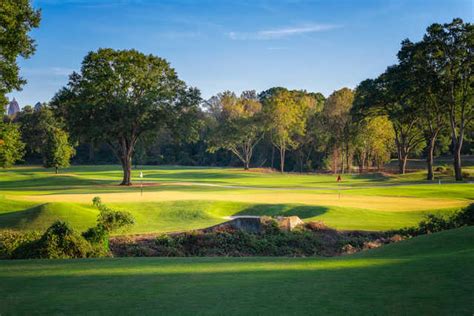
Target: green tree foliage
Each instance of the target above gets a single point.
(57, 151)
(238, 124)
(426, 94)
(391, 95)
(374, 142)
(314, 138)
(122, 94)
(449, 53)
(337, 121)
(17, 18)
(11, 146)
(35, 127)
(285, 115)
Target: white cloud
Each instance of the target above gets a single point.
(282, 32)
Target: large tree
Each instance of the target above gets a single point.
(239, 126)
(57, 150)
(373, 142)
(450, 54)
(427, 95)
(285, 115)
(122, 94)
(390, 95)
(11, 146)
(310, 142)
(17, 18)
(35, 127)
(337, 120)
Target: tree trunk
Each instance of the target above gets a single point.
(429, 159)
(402, 163)
(127, 169)
(342, 161)
(91, 152)
(402, 156)
(273, 155)
(57, 170)
(362, 162)
(246, 165)
(282, 159)
(402, 159)
(457, 162)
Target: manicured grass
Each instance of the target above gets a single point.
(155, 217)
(182, 198)
(427, 275)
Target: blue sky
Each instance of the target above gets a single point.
(319, 46)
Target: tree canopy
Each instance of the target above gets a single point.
(11, 146)
(122, 94)
(17, 19)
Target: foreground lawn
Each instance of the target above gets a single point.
(183, 198)
(428, 275)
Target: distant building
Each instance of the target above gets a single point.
(13, 108)
(38, 106)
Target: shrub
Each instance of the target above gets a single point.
(58, 242)
(110, 220)
(11, 240)
(99, 240)
(436, 223)
(465, 217)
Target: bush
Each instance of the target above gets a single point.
(11, 240)
(61, 241)
(110, 220)
(58, 242)
(465, 217)
(236, 243)
(436, 223)
(99, 240)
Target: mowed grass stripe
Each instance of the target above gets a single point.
(343, 199)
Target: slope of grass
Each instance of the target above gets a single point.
(157, 217)
(428, 275)
(41, 216)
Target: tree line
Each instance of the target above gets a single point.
(130, 107)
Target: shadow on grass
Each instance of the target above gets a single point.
(244, 286)
(20, 219)
(54, 181)
(302, 211)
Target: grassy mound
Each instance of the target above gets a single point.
(40, 217)
(170, 216)
(431, 275)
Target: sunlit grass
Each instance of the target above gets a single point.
(183, 198)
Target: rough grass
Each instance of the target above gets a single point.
(427, 275)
